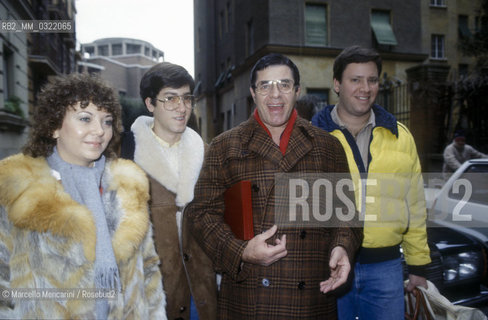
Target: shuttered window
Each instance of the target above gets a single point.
(316, 25)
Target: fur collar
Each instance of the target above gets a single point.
(36, 201)
(152, 158)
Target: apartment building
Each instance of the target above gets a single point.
(120, 61)
(28, 60)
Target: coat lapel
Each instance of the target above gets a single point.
(259, 142)
(151, 157)
(262, 144)
(298, 147)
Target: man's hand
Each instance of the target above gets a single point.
(339, 270)
(259, 252)
(414, 281)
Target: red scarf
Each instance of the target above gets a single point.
(285, 136)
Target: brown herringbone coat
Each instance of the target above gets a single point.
(289, 288)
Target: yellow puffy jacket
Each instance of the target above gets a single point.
(394, 202)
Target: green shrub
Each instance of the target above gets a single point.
(12, 105)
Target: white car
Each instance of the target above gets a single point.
(462, 202)
(458, 233)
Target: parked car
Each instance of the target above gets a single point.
(458, 233)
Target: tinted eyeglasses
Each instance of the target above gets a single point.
(284, 86)
(170, 103)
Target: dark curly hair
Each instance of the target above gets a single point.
(63, 93)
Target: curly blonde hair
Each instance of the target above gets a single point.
(63, 93)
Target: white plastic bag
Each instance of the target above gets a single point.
(439, 307)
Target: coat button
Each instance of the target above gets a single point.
(182, 309)
(265, 282)
(186, 257)
(255, 188)
(303, 234)
(301, 285)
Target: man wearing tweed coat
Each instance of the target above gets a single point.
(280, 273)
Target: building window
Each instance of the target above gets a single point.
(463, 70)
(321, 94)
(147, 51)
(229, 16)
(382, 29)
(226, 24)
(103, 50)
(199, 37)
(315, 25)
(90, 50)
(197, 90)
(249, 106)
(249, 38)
(437, 50)
(116, 49)
(8, 73)
(437, 3)
(221, 24)
(463, 28)
(133, 48)
(229, 119)
(222, 121)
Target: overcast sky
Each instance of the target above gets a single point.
(166, 24)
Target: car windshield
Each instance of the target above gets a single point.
(477, 175)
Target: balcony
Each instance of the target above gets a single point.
(11, 122)
(49, 54)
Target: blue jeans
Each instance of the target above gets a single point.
(376, 293)
(193, 310)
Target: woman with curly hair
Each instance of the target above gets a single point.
(75, 235)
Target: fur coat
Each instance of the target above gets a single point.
(47, 241)
(185, 267)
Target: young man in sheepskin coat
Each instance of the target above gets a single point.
(172, 155)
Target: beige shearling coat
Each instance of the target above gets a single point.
(185, 267)
(47, 241)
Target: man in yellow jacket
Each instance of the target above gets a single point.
(391, 199)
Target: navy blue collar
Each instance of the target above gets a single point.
(383, 119)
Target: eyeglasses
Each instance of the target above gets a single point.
(264, 87)
(171, 103)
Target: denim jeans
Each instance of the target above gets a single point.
(193, 310)
(376, 293)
